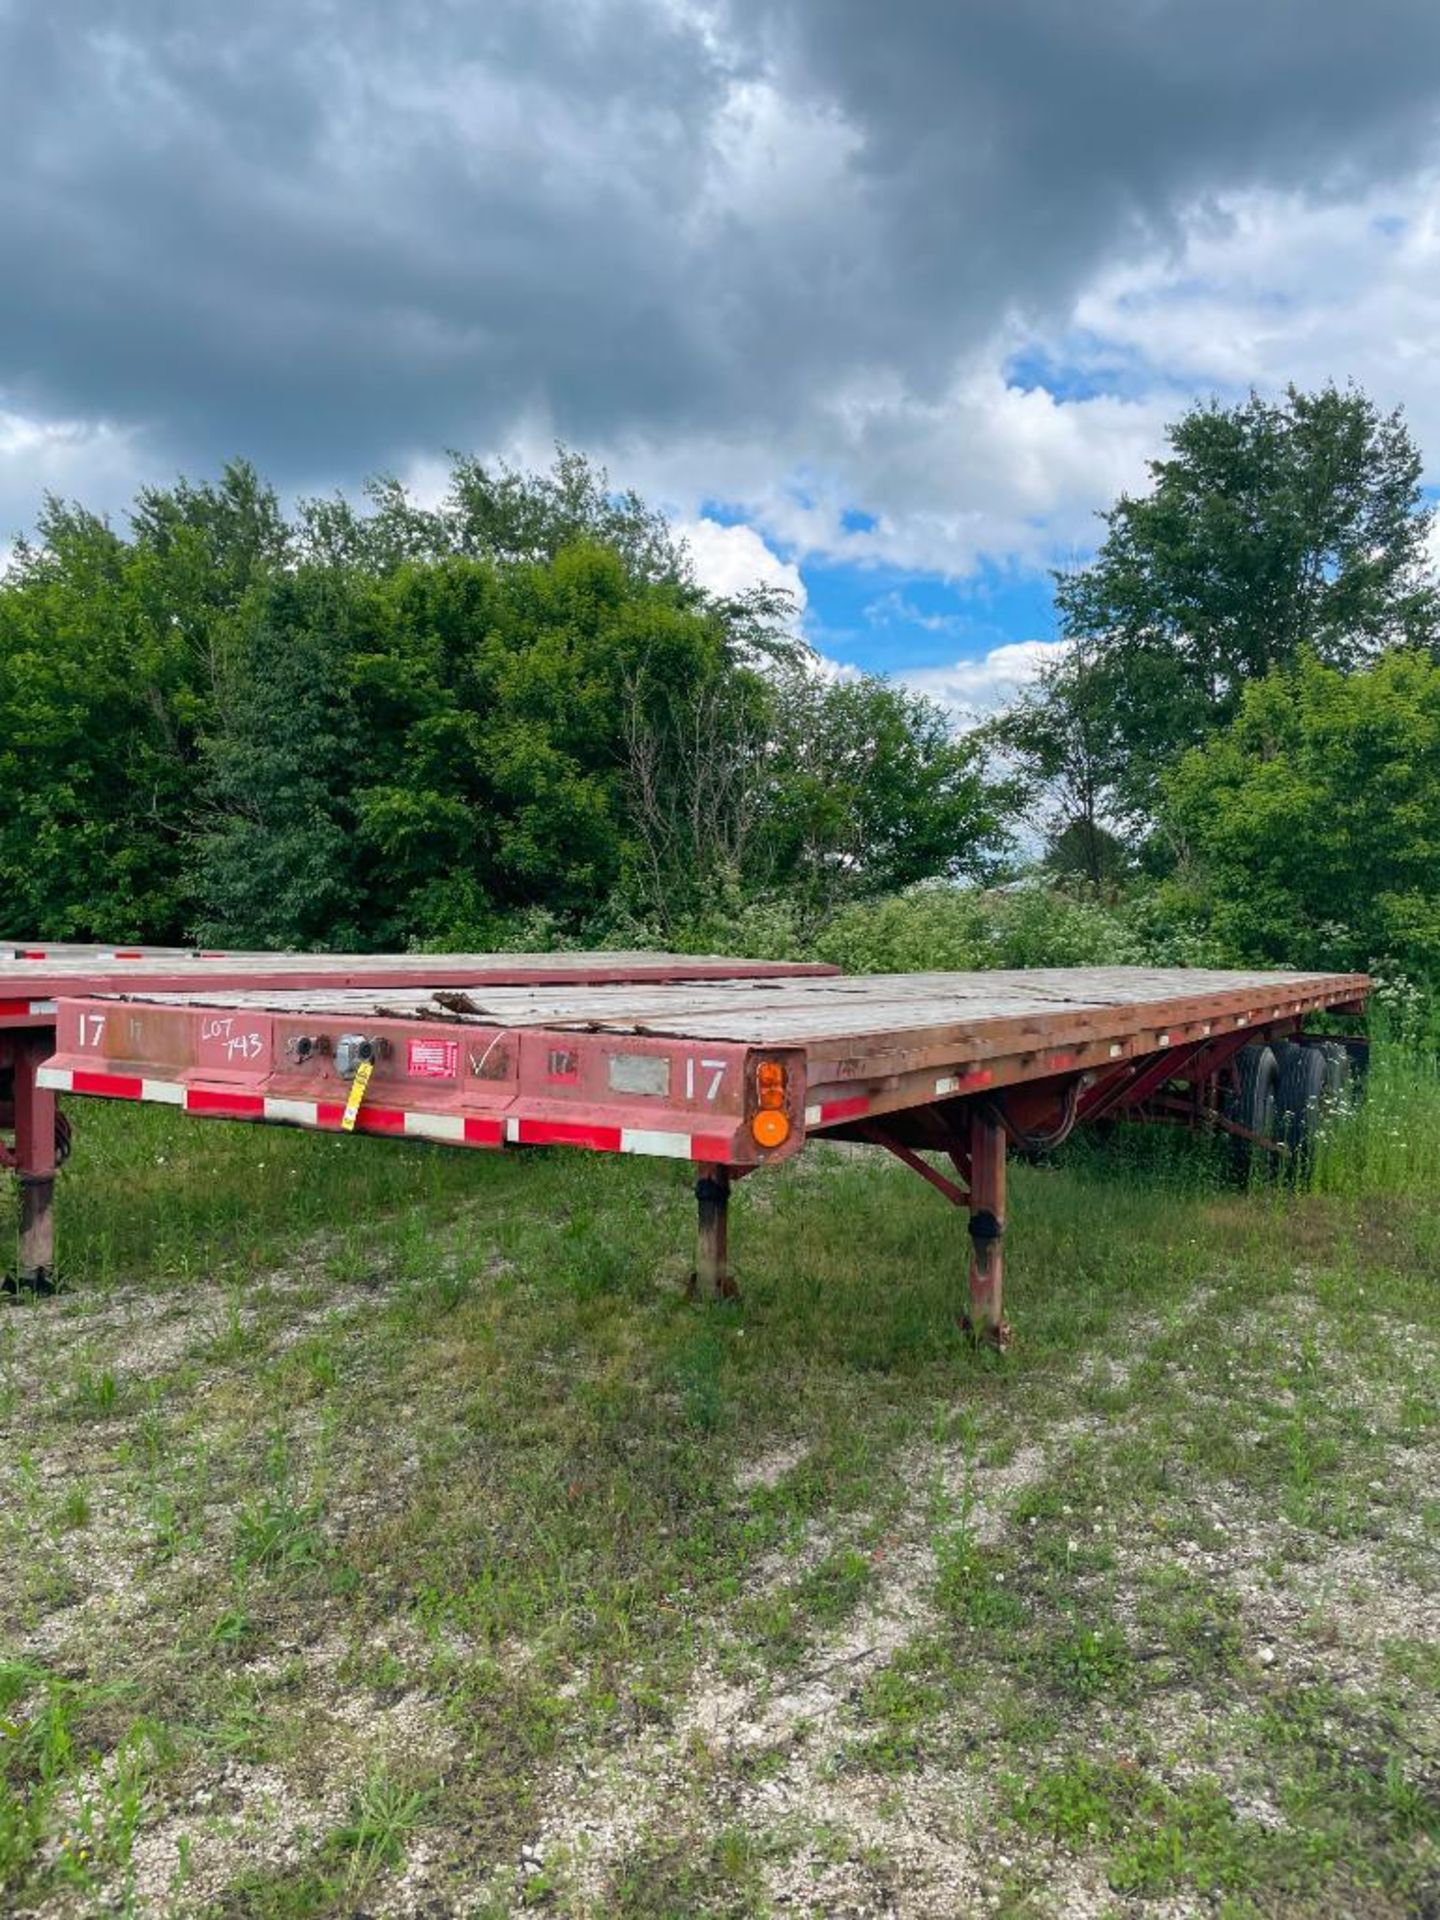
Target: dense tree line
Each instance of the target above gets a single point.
(515, 717)
(378, 726)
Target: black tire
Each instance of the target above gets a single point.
(1253, 1104)
(1300, 1100)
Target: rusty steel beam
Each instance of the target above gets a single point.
(875, 1135)
(987, 1227)
(1151, 1075)
(1134, 1083)
(34, 1160)
(712, 1278)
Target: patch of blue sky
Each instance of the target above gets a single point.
(856, 520)
(1094, 370)
(724, 514)
(1085, 366)
(886, 620)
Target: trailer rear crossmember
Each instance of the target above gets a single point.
(733, 1074)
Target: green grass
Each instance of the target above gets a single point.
(1389, 1140)
(375, 1512)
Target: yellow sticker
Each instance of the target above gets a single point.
(357, 1094)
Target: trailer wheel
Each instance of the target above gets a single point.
(1301, 1098)
(1253, 1104)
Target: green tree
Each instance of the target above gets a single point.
(1310, 825)
(195, 553)
(420, 755)
(1060, 735)
(98, 706)
(114, 657)
(276, 859)
(873, 789)
(1270, 528)
(497, 513)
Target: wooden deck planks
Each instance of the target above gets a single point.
(879, 1009)
(45, 972)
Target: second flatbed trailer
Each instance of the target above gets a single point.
(737, 1074)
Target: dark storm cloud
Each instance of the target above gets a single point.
(343, 228)
(326, 233)
(1009, 144)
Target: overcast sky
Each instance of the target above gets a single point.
(881, 300)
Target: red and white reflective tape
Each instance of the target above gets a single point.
(829, 1112)
(452, 1129)
(27, 1009)
(658, 1142)
(112, 1086)
(964, 1082)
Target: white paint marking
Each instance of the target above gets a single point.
(436, 1126)
(668, 1146)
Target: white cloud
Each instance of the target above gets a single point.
(837, 672)
(729, 560)
(1259, 289)
(1266, 288)
(89, 460)
(983, 471)
(973, 689)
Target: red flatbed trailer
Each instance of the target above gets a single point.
(731, 1074)
(34, 975)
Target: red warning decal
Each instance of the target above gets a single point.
(433, 1059)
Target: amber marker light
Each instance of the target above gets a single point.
(770, 1080)
(770, 1126)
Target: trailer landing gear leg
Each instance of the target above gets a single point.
(712, 1278)
(986, 1320)
(35, 1170)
